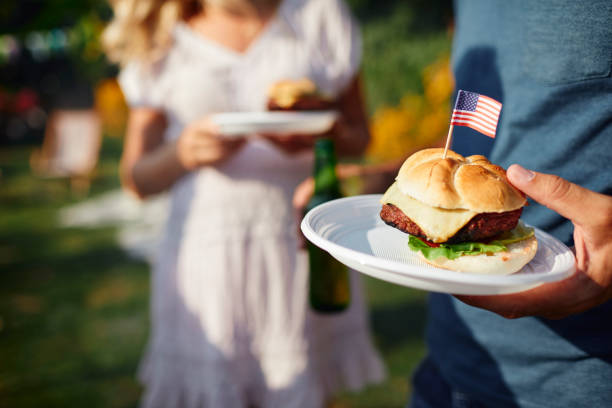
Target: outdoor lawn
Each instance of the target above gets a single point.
(74, 305)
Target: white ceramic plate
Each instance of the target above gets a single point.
(351, 230)
(237, 124)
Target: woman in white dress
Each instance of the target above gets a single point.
(231, 325)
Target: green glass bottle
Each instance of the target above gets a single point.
(329, 286)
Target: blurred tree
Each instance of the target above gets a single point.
(51, 49)
(19, 17)
(407, 75)
(418, 121)
(400, 38)
(427, 16)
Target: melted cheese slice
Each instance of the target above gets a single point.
(438, 224)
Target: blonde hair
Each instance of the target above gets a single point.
(142, 29)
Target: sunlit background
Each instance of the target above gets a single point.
(73, 249)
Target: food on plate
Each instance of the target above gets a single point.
(299, 94)
(461, 213)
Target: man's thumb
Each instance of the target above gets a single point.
(554, 192)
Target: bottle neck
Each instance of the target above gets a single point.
(326, 180)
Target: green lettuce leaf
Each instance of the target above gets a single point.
(453, 251)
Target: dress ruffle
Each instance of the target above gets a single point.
(175, 381)
(346, 363)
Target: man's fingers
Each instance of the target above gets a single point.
(554, 300)
(556, 193)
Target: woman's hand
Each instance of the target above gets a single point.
(591, 285)
(201, 145)
(150, 165)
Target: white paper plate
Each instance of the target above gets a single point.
(234, 124)
(351, 230)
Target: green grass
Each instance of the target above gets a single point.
(74, 307)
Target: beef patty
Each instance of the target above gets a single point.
(305, 103)
(481, 227)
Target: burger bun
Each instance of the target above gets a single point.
(458, 183)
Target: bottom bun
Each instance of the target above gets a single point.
(512, 260)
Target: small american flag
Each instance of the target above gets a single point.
(476, 111)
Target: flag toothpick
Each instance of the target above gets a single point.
(476, 111)
(449, 137)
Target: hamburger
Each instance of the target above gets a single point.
(296, 95)
(461, 213)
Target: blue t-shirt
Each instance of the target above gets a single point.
(549, 63)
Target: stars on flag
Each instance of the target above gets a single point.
(476, 111)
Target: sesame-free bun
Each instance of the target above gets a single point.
(292, 88)
(296, 94)
(512, 260)
(456, 182)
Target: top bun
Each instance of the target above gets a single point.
(456, 182)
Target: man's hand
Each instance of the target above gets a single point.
(591, 285)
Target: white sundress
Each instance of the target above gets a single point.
(231, 325)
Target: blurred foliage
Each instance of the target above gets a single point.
(83, 18)
(400, 37)
(53, 48)
(419, 120)
(406, 73)
(111, 106)
(19, 17)
(87, 53)
(420, 16)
